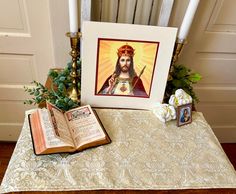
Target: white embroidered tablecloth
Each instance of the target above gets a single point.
(144, 154)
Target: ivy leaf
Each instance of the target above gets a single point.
(182, 73)
(36, 93)
(69, 65)
(177, 83)
(62, 78)
(79, 85)
(66, 99)
(71, 103)
(195, 77)
(38, 99)
(61, 87)
(52, 73)
(67, 71)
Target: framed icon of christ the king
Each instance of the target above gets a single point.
(125, 70)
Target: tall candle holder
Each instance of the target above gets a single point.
(74, 42)
(177, 50)
(176, 53)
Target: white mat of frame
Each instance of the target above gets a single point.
(144, 154)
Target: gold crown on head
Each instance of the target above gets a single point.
(125, 50)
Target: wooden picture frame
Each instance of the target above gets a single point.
(184, 114)
(104, 44)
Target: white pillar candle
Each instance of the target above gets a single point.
(188, 18)
(73, 15)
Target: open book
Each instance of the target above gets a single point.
(77, 129)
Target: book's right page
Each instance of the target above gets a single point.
(86, 129)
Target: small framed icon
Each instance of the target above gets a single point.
(184, 114)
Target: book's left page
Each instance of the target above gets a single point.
(59, 123)
(44, 136)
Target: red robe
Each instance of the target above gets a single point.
(138, 89)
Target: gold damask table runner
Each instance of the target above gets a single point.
(144, 154)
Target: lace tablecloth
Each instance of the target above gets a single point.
(144, 154)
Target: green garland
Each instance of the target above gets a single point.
(57, 94)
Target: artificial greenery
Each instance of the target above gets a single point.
(58, 93)
(182, 77)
